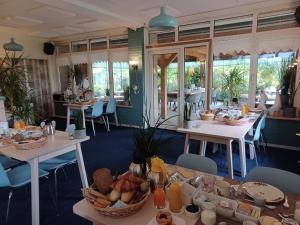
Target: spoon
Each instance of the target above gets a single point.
(286, 203)
(267, 206)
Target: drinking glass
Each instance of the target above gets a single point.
(159, 197)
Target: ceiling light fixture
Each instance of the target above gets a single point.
(162, 22)
(13, 46)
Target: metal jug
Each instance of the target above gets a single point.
(48, 127)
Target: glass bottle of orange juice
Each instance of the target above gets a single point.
(159, 197)
(175, 197)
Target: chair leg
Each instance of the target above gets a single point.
(8, 206)
(252, 150)
(93, 127)
(108, 129)
(255, 154)
(55, 190)
(116, 119)
(104, 120)
(51, 193)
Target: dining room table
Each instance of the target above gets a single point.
(77, 106)
(216, 131)
(85, 210)
(57, 144)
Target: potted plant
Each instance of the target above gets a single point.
(285, 78)
(80, 131)
(147, 141)
(15, 87)
(187, 115)
(233, 83)
(290, 90)
(126, 90)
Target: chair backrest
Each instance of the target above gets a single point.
(259, 127)
(194, 98)
(111, 106)
(263, 123)
(284, 180)
(197, 162)
(97, 109)
(4, 181)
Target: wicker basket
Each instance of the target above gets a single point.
(208, 117)
(32, 145)
(118, 212)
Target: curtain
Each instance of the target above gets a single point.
(39, 82)
(231, 47)
(99, 56)
(119, 55)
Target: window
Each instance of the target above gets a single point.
(234, 25)
(118, 43)
(79, 46)
(100, 78)
(63, 48)
(193, 31)
(268, 73)
(120, 78)
(156, 37)
(277, 20)
(230, 79)
(98, 44)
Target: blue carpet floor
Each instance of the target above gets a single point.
(114, 150)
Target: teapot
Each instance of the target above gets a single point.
(48, 127)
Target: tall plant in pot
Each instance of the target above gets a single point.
(187, 115)
(146, 141)
(80, 131)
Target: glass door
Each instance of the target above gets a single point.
(195, 78)
(165, 78)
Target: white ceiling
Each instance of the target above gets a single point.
(53, 18)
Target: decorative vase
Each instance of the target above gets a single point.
(188, 124)
(285, 100)
(137, 169)
(79, 134)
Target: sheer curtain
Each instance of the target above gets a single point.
(39, 82)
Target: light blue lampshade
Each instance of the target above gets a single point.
(162, 22)
(13, 46)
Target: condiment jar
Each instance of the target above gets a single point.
(175, 197)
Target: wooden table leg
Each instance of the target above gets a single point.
(187, 144)
(202, 148)
(68, 117)
(83, 117)
(35, 201)
(81, 166)
(229, 159)
(242, 151)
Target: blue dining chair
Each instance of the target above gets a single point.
(16, 178)
(197, 162)
(284, 180)
(253, 140)
(97, 112)
(8, 162)
(111, 108)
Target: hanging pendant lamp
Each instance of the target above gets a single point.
(162, 22)
(13, 46)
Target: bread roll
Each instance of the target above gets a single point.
(102, 180)
(114, 195)
(127, 196)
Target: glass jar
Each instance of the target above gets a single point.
(208, 217)
(159, 197)
(175, 197)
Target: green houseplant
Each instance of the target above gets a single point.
(147, 140)
(80, 131)
(233, 83)
(15, 87)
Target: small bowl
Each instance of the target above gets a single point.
(192, 214)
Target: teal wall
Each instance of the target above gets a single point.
(282, 132)
(133, 116)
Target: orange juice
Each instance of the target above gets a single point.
(159, 198)
(22, 124)
(175, 198)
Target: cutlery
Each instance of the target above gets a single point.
(267, 206)
(285, 215)
(286, 203)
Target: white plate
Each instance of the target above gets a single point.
(270, 193)
(176, 220)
